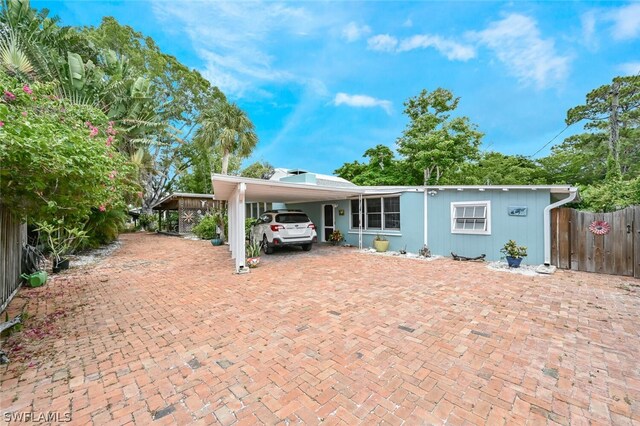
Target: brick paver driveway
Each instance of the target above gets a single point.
(162, 332)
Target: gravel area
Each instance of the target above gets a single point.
(529, 270)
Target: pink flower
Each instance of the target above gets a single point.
(113, 174)
(93, 132)
(27, 89)
(109, 140)
(102, 208)
(9, 96)
(24, 113)
(1, 123)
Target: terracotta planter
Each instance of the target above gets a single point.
(381, 246)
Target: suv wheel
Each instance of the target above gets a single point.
(306, 247)
(265, 245)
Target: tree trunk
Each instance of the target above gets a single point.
(613, 121)
(225, 162)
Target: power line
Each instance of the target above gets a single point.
(552, 139)
(563, 130)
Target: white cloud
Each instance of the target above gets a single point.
(382, 43)
(233, 39)
(588, 21)
(630, 68)
(353, 32)
(626, 22)
(517, 42)
(362, 101)
(451, 49)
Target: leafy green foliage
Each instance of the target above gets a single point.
(103, 227)
(55, 160)
(148, 222)
(494, 168)
(512, 249)
(434, 143)
(258, 170)
(226, 129)
(60, 239)
(207, 228)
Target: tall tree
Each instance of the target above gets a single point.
(228, 129)
(612, 110)
(435, 143)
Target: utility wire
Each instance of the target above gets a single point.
(563, 130)
(552, 139)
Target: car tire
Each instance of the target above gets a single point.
(265, 245)
(307, 247)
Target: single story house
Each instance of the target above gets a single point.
(466, 220)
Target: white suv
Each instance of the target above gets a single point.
(276, 228)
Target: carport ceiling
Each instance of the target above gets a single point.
(260, 190)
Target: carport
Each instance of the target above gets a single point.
(238, 190)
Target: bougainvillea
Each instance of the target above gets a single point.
(52, 163)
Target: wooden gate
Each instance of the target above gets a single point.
(13, 236)
(575, 246)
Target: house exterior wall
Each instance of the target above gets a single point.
(525, 230)
(410, 235)
(308, 178)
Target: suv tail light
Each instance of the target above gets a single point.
(312, 226)
(275, 228)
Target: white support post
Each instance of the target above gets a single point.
(239, 231)
(360, 221)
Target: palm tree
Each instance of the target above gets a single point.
(229, 129)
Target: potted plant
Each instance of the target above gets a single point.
(61, 241)
(253, 253)
(380, 243)
(336, 237)
(514, 253)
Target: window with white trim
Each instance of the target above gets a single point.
(378, 214)
(254, 210)
(473, 217)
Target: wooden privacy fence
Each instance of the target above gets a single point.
(13, 235)
(616, 251)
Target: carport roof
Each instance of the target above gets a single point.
(260, 190)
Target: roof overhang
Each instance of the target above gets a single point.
(260, 190)
(554, 189)
(170, 201)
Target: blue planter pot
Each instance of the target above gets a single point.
(216, 241)
(514, 262)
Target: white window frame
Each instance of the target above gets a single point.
(485, 204)
(365, 218)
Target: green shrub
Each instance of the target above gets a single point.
(148, 222)
(207, 227)
(103, 227)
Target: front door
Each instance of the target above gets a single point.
(329, 224)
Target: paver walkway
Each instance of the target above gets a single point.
(162, 332)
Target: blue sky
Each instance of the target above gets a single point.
(324, 81)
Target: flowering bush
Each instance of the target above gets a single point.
(54, 157)
(336, 237)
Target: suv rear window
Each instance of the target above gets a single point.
(292, 218)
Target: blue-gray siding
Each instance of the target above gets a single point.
(526, 230)
(410, 235)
